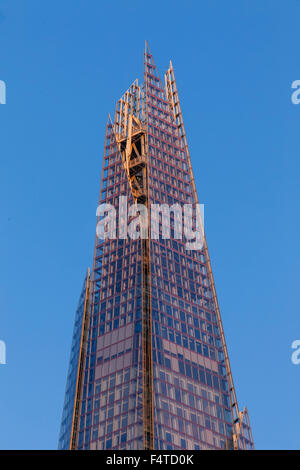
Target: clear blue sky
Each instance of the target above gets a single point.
(65, 63)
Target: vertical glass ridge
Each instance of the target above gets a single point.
(73, 380)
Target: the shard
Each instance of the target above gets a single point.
(149, 366)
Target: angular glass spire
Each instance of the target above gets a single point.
(155, 369)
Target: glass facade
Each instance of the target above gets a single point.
(67, 423)
(191, 399)
(111, 412)
(191, 392)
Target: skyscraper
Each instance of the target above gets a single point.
(149, 367)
